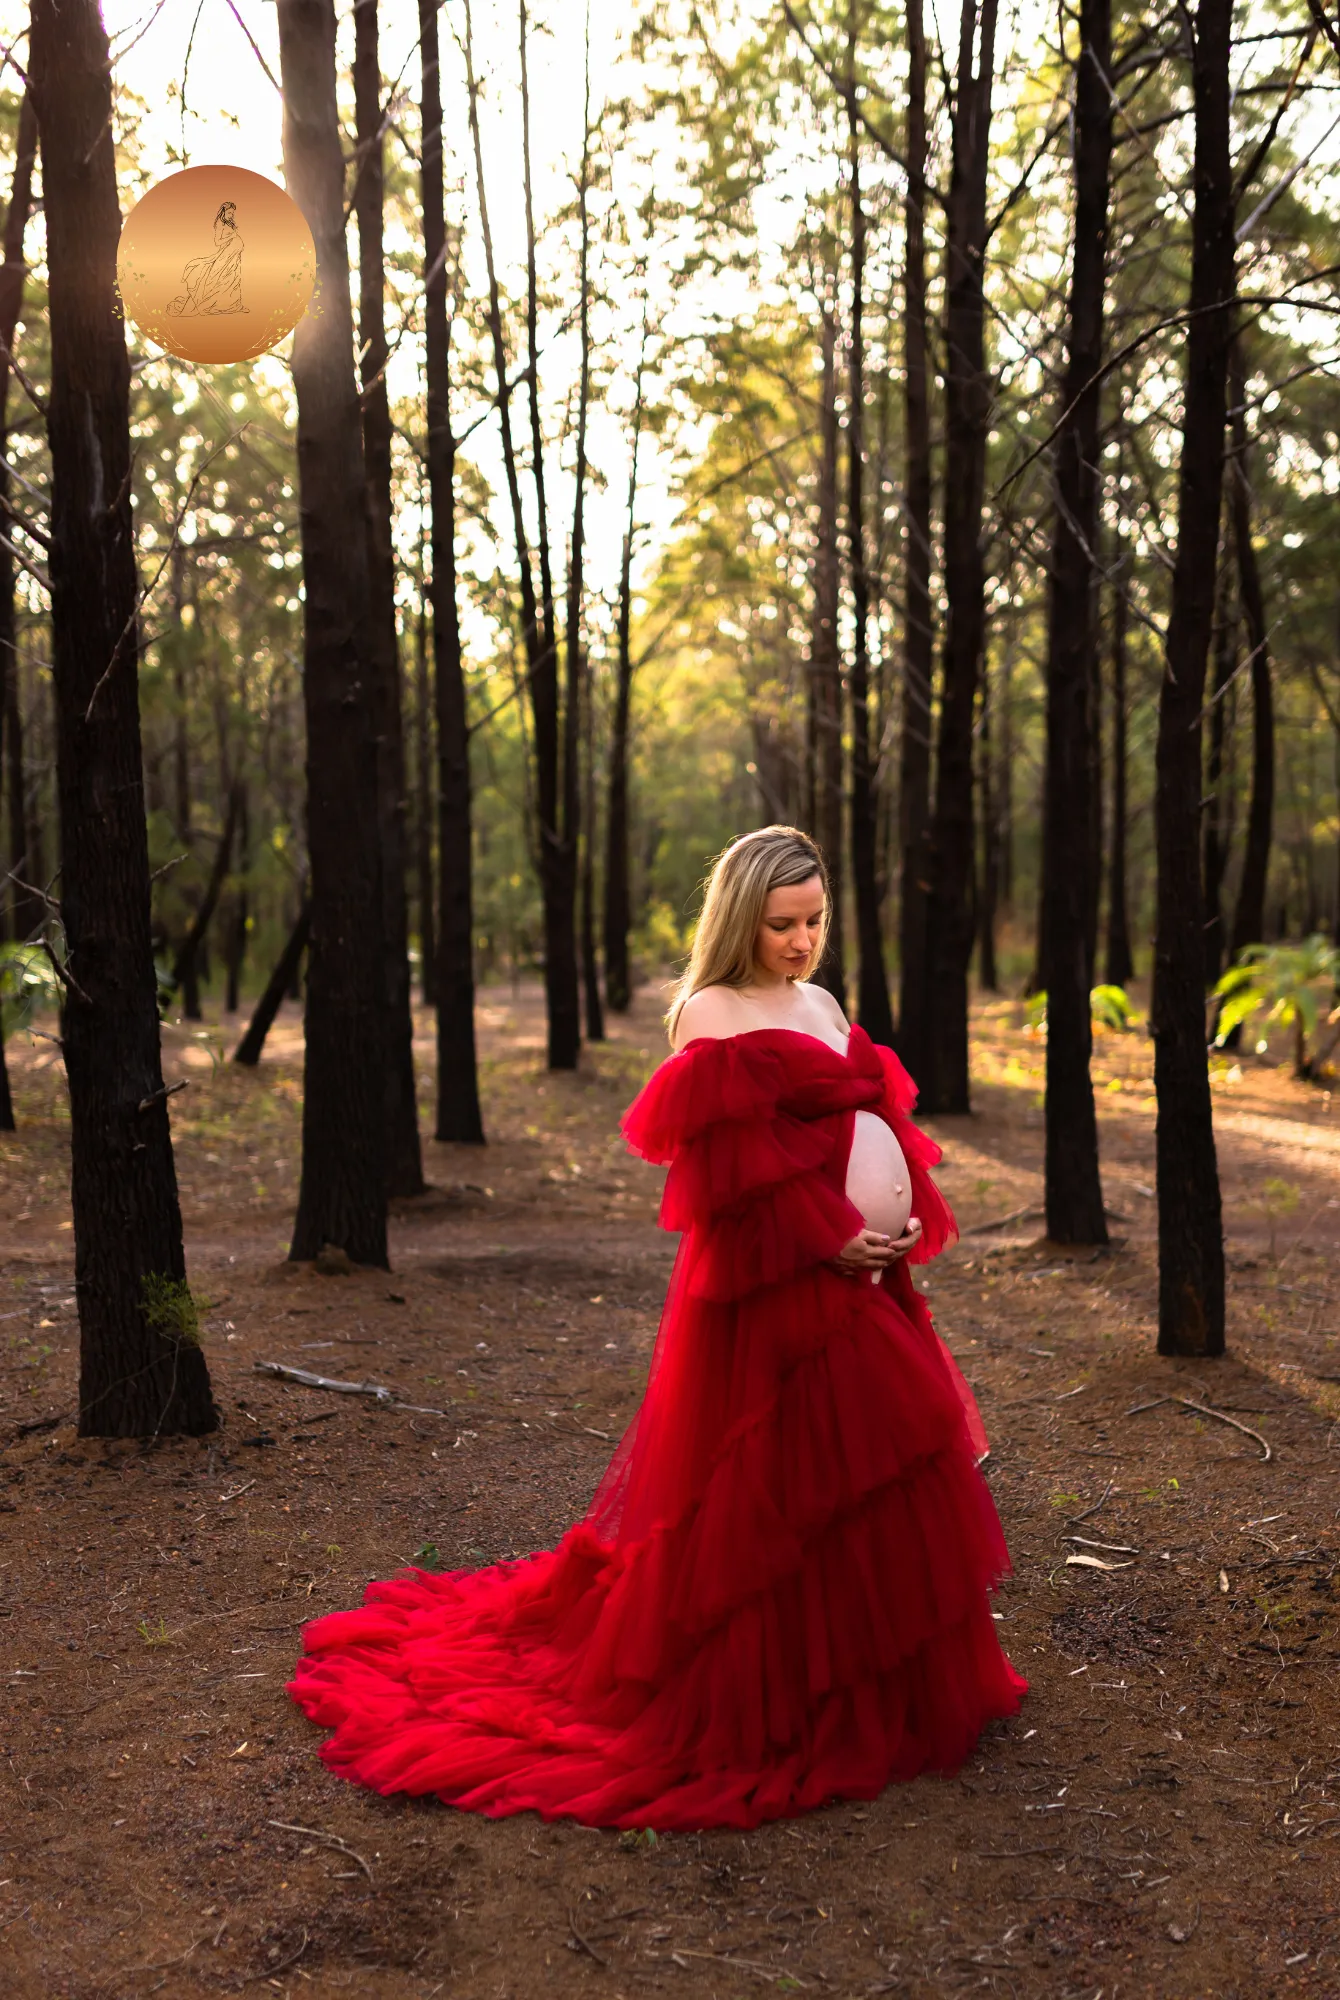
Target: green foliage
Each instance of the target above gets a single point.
(28, 982)
(1276, 982)
(1109, 1007)
(170, 1309)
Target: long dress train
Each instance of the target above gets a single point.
(780, 1593)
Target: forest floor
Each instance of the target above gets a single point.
(1160, 1820)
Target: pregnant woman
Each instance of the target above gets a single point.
(780, 1593)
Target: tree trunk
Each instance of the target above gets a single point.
(1120, 965)
(142, 1370)
(918, 637)
(1214, 842)
(1191, 1247)
(459, 1117)
(342, 1196)
(280, 982)
(987, 974)
(404, 1159)
(184, 971)
(825, 663)
(1073, 1186)
(25, 909)
(423, 811)
(595, 1016)
(618, 909)
(577, 691)
(1249, 916)
(967, 420)
(555, 745)
(872, 982)
(237, 928)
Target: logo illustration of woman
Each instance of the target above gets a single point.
(214, 283)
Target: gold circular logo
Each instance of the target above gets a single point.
(216, 264)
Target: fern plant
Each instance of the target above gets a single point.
(1274, 984)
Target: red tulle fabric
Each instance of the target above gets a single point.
(780, 1593)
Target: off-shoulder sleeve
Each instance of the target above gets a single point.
(708, 1083)
(936, 1217)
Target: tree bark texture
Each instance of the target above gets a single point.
(988, 890)
(918, 634)
(25, 909)
(136, 1378)
(618, 907)
(872, 982)
(459, 1117)
(825, 661)
(1249, 914)
(280, 983)
(967, 393)
(577, 690)
(1120, 964)
(342, 1196)
(1214, 832)
(1073, 1191)
(404, 1159)
(1191, 1247)
(425, 807)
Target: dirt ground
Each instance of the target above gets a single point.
(1160, 1820)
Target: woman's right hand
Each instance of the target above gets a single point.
(871, 1250)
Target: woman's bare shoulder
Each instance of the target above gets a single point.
(710, 1014)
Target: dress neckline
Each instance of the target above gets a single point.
(747, 1034)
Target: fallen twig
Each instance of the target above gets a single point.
(307, 1379)
(1075, 1519)
(327, 1839)
(1204, 1410)
(1001, 1221)
(746, 1964)
(269, 1971)
(584, 1944)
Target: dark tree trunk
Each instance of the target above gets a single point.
(423, 813)
(1249, 916)
(459, 1118)
(237, 928)
(555, 745)
(918, 637)
(280, 982)
(967, 419)
(1120, 965)
(1191, 1245)
(618, 909)
(342, 1197)
(987, 974)
(404, 1160)
(140, 1374)
(825, 663)
(25, 909)
(595, 1015)
(185, 970)
(577, 693)
(872, 982)
(1071, 855)
(1214, 843)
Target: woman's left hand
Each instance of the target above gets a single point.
(909, 1239)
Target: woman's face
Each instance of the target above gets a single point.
(787, 936)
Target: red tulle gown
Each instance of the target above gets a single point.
(780, 1593)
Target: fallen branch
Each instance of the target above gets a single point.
(269, 1971)
(581, 1943)
(769, 1972)
(1204, 1410)
(376, 1390)
(1075, 1519)
(326, 1839)
(1001, 1222)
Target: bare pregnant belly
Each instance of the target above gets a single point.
(878, 1182)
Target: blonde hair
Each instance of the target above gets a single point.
(734, 899)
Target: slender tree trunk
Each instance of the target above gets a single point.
(1120, 965)
(25, 909)
(342, 1197)
(280, 983)
(459, 1117)
(825, 662)
(404, 1159)
(987, 974)
(1214, 842)
(967, 419)
(185, 970)
(1072, 857)
(1249, 916)
(579, 825)
(423, 815)
(141, 1373)
(595, 1016)
(918, 637)
(872, 983)
(555, 739)
(618, 911)
(237, 928)
(1191, 1247)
